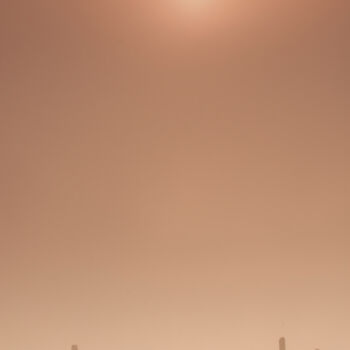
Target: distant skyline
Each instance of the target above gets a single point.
(281, 344)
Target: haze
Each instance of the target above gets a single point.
(174, 183)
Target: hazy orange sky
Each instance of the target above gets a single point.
(174, 180)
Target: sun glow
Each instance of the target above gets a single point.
(195, 6)
(195, 10)
(194, 15)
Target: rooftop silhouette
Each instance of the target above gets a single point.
(281, 345)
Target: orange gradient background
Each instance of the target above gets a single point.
(172, 185)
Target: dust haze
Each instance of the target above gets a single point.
(174, 182)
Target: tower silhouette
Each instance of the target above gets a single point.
(282, 344)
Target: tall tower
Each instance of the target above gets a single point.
(282, 344)
(74, 347)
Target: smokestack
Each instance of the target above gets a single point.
(282, 344)
(74, 347)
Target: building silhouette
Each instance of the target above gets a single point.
(282, 344)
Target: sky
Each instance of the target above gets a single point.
(174, 175)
